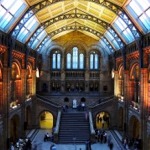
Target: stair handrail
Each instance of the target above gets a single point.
(92, 134)
(56, 131)
(48, 100)
(104, 101)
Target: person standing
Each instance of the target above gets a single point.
(111, 145)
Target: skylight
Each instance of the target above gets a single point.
(10, 12)
(123, 30)
(141, 14)
(27, 29)
(106, 45)
(112, 40)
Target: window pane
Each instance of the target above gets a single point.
(54, 61)
(91, 61)
(121, 24)
(96, 61)
(81, 64)
(7, 4)
(58, 61)
(148, 13)
(134, 5)
(2, 11)
(75, 58)
(68, 61)
(5, 20)
(16, 6)
(128, 35)
(145, 20)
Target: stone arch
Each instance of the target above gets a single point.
(66, 99)
(53, 47)
(102, 120)
(121, 118)
(134, 71)
(16, 84)
(14, 127)
(16, 70)
(46, 119)
(83, 99)
(28, 118)
(121, 81)
(29, 80)
(29, 70)
(134, 127)
(44, 87)
(135, 84)
(103, 57)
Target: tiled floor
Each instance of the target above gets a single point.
(41, 145)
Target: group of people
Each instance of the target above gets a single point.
(21, 144)
(133, 143)
(48, 137)
(103, 137)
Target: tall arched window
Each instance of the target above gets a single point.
(75, 59)
(94, 60)
(56, 60)
(68, 61)
(81, 60)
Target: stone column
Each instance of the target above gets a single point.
(33, 82)
(87, 72)
(23, 98)
(116, 86)
(126, 100)
(143, 105)
(6, 99)
(63, 75)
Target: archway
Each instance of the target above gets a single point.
(120, 119)
(134, 127)
(14, 128)
(28, 117)
(83, 99)
(102, 120)
(46, 120)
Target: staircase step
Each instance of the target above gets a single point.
(74, 125)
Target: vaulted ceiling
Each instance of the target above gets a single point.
(91, 17)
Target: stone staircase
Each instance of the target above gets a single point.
(74, 128)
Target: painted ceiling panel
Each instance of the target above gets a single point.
(118, 2)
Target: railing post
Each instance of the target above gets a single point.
(56, 131)
(92, 134)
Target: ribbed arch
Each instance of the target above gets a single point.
(32, 30)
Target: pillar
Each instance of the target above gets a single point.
(143, 105)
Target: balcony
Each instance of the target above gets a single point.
(121, 100)
(135, 107)
(28, 98)
(14, 105)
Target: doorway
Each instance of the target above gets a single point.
(102, 120)
(46, 120)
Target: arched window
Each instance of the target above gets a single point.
(68, 61)
(94, 60)
(56, 60)
(81, 64)
(75, 59)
